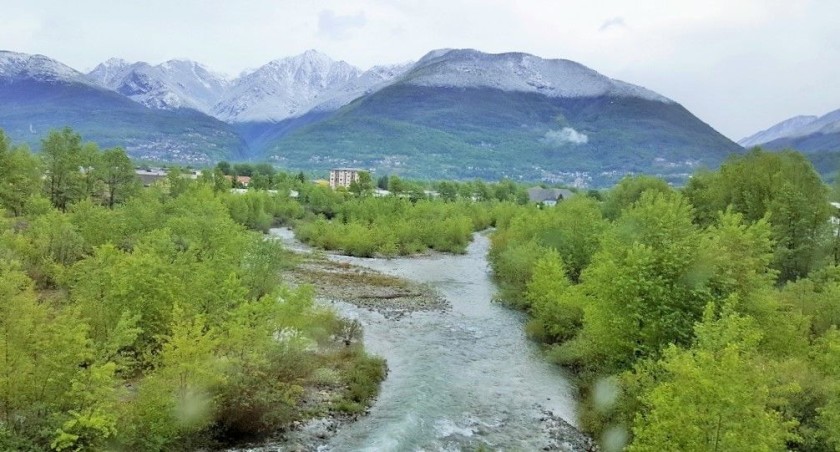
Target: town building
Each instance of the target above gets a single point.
(148, 176)
(548, 196)
(239, 181)
(343, 177)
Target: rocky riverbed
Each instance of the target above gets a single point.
(462, 375)
(391, 296)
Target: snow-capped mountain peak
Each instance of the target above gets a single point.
(109, 73)
(519, 72)
(312, 81)
(785, 128)
(170, 85)
(367, 82)
(284, 88)
(16, 66)
(795, 127)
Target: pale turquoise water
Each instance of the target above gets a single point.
(457, 379)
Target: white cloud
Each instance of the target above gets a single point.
(615, 22)
(566, 135)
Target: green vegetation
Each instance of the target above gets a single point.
(32, 108)
(699, 319)
(451, 133)
(154, 319)
(704, 318)
(405, 222)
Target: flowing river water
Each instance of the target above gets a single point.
(461, 379)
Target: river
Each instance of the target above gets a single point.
(464, 378)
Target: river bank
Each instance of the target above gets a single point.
(391, 296)
(462, 374)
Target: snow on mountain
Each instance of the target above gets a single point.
(168, 86)
(291, 87)
(284, 88)
(16, 66)
(827, 123)
(368, 82)
(798, 126)
(783, 129)
(108, 74)
(519, 72)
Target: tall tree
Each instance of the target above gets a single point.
(630, 190)
(225, 168)
(784, 188)
(116, 171)
(644, 284)
(19, 176)
(362, 186)
(63, 158)
(715, 396)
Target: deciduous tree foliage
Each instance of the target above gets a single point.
(715, 396)
(63, 166)
(20, 176)
(756, 373)
(151, 319)
(628, 191)
(573, 229)
(782, 187)
(116, 171)
(646, 285)
(365, 226)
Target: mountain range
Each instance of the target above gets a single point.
(816, 136)
(455, 113)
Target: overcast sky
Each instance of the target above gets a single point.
(740, 65)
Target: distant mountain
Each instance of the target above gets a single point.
(284, 88)
(38, 68)
(783, 129)
(816, 136)
(367, 82)
(453, 114)
(519, 72)
(38, 94)
(169, 86)
(464, 114)
(804, 133)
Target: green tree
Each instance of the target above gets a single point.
(260, 182)
(716, 396)
(225, 168)
(574, 229)
(20, 176)
(555, 306)
(362, 186)
(267, 171)
(382, 182)
(91, 183)
(63, 158)
(628, 191)
(243, 169)
(52, 391)
(176, 181)
(448, 191)
(826, 357)
(784, 188)
(396, 185)
(645, 287)
(117, 172)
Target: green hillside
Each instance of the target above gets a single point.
(464, 133)
(30, 109)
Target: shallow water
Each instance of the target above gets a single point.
(458, 379)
